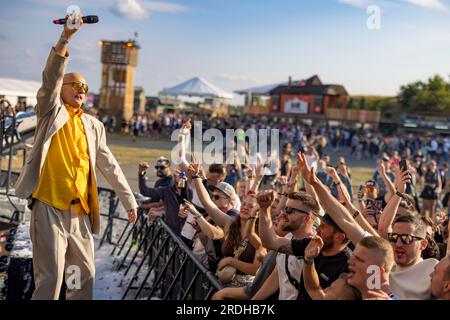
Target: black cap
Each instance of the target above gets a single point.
(371, 183)
(327, 218)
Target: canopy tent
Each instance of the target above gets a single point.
(262, 90)
(12, 89)
(198, 87)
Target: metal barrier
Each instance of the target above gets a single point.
(9, 138)
(156, 264)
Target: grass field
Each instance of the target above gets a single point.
(134, 155)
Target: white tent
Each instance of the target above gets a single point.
(12, 89)
(196, 87)
(263, 90)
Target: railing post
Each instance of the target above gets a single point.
(112, 209)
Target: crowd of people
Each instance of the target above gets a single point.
(300, 231)
(361, 143)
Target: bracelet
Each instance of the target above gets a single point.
(196, 214)
(309, 262)
(251, 218)
(357, 213)
(336, 184)
(196, 177)
(63, 41)
(399, 194)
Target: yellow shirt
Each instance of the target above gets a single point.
(65, 174)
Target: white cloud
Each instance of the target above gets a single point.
(139, 10)
(432, 4)
(355, 3)
(129, 9)
(163, 7)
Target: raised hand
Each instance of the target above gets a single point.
(187, 125)
(194, 167)
(265, 199)
(381, 167)
(69, 32)
(259, 169)
(189, 207)
(401, 179)
(314, 247)
(308, 173)
(290, 187)
(143, 166)
(332, 173)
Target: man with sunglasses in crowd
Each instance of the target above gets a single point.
(173, 197)
(60, 182)
(163, 172)
(298, 217)
(410, 276)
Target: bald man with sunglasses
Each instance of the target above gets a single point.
(59, 180)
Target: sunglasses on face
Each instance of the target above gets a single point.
(78, 85)
(405, 238)
(217, 197)
(290, 210)
(160, 167)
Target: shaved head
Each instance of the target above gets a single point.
(73, 76)
(70, 95)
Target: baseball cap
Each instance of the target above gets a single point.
(225, 188)
(371, 184)
(327, 218)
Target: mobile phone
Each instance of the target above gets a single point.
(403, 166)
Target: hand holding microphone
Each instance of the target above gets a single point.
(85, 19)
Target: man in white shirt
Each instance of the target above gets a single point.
(410, 276)
(440, 279)
(286, 277)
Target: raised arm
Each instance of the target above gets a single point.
(332, 206)
(288, 188)
(390, 187)
(184, 142)
(344, 196)
(258, 175)
(310, 276)
(270, 240)
(220, 218)
(211, 231)
(52, 77)
(388, 215)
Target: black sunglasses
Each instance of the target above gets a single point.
(217, 197)
(160, 167)
(405, 238)
(290, 210)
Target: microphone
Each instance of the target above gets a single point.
(86, 19)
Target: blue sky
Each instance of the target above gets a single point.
(237, 44)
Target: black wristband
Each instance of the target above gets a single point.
(356, 214)
(401, 195)
(309, 262)
(196, 177)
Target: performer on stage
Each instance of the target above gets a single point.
(60, 183)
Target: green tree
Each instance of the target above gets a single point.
(432, 96)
